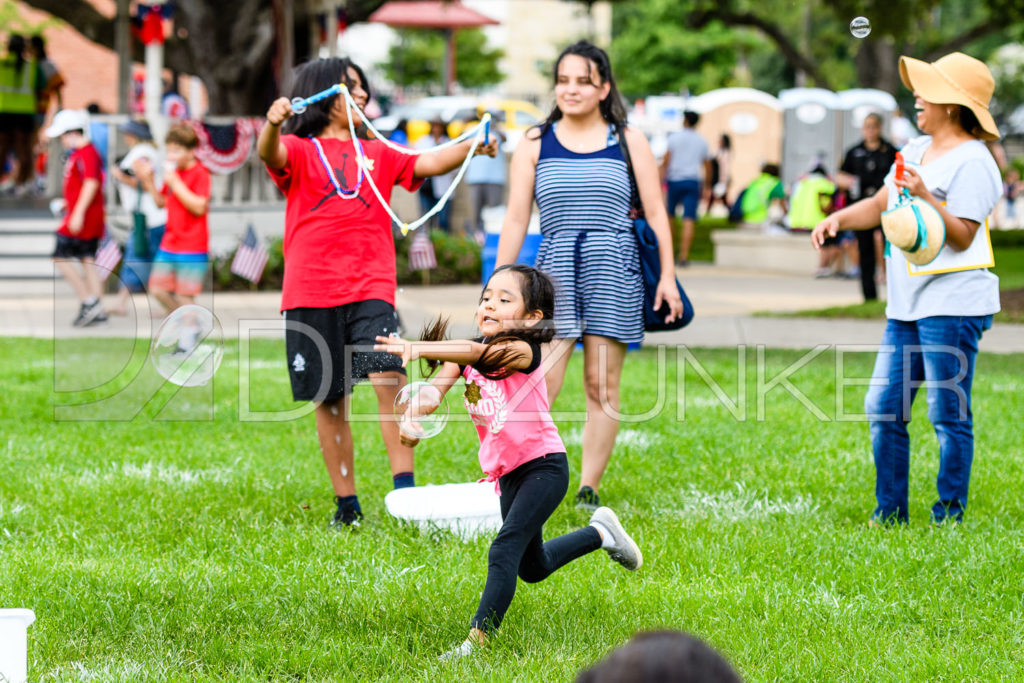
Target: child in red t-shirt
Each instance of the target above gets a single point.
(339, 274)
(182, 260)
(80, 231)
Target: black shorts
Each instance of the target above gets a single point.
(72, 247)
(331, 349)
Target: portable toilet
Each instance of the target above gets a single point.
(855, 105)
(811, 131)
(753, 121)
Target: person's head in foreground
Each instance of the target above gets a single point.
(661, 657)
(952, 92)
(181, 146)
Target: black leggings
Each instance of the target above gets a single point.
(866, 249)
(529, 495)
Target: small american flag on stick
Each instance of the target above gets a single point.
(250, 258)
(107, 257)
(421, 252)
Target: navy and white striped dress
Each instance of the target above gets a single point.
(589, 248)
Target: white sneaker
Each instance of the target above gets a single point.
(466, 649)
(624, 550)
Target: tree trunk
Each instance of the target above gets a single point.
(878, 65)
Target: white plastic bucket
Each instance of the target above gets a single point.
(465, 509)
(14, 625)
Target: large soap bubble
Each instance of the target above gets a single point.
(421, 409)
(188, 346)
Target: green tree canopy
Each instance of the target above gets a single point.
(668, 45)
(418, 59)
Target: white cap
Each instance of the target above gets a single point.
(66, 120)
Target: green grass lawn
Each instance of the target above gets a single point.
(155, 548)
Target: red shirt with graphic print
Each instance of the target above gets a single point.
(338, 250)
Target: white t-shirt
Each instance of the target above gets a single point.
(967, 179)
(155, 216)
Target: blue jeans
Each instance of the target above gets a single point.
(937, 353)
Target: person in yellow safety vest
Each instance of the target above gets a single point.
(757, 198)
(19, 82)
(811, 200)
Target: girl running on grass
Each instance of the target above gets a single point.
(520, 448)
(339, 274)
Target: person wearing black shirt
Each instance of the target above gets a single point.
(861, 175)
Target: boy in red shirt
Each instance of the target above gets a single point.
(80, 231)
(181, 262)
(339, 264)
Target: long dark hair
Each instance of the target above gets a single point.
(16, 47)
(538, 292)
(612, 108)
(39, 46)
(311, 78)
(968, 121)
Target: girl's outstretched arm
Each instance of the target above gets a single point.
(457, 351)
(272, 152)
(446, 377)
(450, 158)
(443, 381)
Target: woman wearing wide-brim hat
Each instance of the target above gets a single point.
(934, 320)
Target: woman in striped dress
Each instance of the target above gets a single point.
(573, 165)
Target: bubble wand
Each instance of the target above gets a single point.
(476, 134)
(299, 104)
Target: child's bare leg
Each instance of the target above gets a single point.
(335, 434)
(120, 305)
(92, 278)
(73, 277)
(387, 385)
(166, 299)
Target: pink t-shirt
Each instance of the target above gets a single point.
(512, 418)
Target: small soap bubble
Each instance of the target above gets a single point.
(860, 27)
(188, 346)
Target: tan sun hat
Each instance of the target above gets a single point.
(954, 79)
(916, 228)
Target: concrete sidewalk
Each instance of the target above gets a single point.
(724, 301)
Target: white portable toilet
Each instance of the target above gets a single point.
(811, 131)
(14, 625)
(753, 121)
(857, 104)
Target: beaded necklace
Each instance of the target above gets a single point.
(360, 155)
